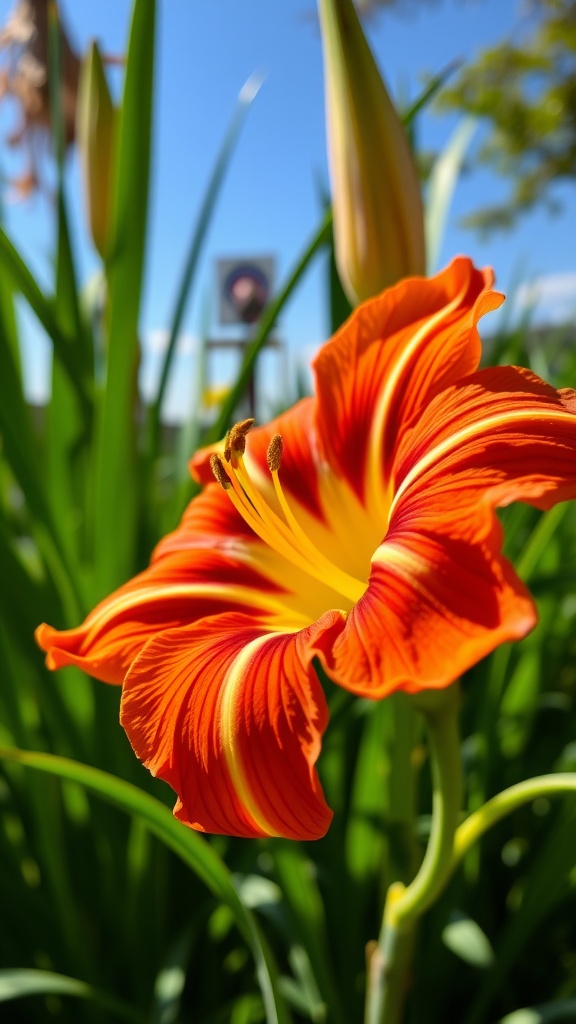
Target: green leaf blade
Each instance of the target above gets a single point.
(116, 486)
(195, 851)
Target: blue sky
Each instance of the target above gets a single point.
(270, 204)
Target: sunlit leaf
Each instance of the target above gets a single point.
(547, 1013)
(465, 938)
(16, 983)
(441, 187)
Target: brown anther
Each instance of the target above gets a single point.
(236, 440)
(274, 453)
(227, 449)
(237, 433)
(219, 472)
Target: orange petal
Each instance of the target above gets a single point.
(232, 717)
(195, 571)
(440, 595)
(434, 607)
(387, 362)
(212, 563)
(209, 519)
(502, 435)
(173, 593)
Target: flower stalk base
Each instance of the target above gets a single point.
(388, 973)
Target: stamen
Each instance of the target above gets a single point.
(285, 536)
(219, 472)
(344, 582)
(235, 445)
(274, 453)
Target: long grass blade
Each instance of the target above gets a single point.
(196, 853)
(441, 187)
(68, 423)
(247, 95)
(115, 520)
(16, 983)
(301, 893)
(22, 455)
(44, 309)
(8, 325)
(429, 92)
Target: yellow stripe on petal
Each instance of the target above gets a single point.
(228, 708)
(242, 596)
(407, 564)
(379, 496)
(478, 429)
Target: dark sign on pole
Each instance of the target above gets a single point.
(244, 287)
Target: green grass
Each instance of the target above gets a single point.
(110, 908)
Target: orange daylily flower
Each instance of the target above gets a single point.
(358, 528)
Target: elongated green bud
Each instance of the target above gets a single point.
(377, 203)
(95, 128)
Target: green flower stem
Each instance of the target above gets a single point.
(389, 967)
(471, 830)
(389, 963)
(440, 711)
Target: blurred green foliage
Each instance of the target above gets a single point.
(111, 909)
(524, 89)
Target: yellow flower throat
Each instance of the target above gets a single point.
(283, 535)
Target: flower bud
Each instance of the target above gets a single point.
(377, 203)
(95, 129)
